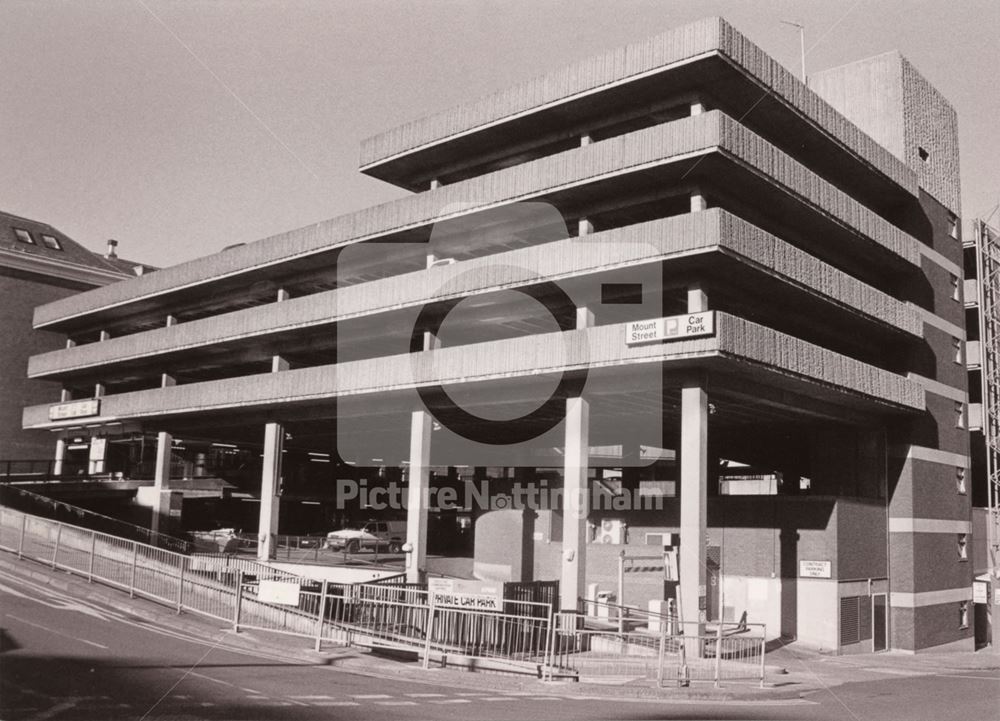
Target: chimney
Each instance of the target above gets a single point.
(112, 245)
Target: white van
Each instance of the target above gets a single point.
(390, 535)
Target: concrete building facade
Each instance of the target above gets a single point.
(716, 308)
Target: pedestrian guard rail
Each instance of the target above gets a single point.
(513, 634)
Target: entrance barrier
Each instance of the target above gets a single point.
(520, 635)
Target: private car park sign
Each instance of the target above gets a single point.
(675, 327)
(472, 595)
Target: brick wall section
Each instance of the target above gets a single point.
(20, 295)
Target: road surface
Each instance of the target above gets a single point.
(64, 658)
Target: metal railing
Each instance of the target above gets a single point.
(658, 647)
(517, 635)
(60, 511)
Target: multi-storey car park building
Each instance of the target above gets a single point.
(807, 443)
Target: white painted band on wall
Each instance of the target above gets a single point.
(930, 455)
(929, 598)
(935, 257)
(938, 388)
(928, 525)
(938, 322)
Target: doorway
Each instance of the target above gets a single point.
(880, 622)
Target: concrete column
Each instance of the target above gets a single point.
(697, 107)
(270, 487)
(65, 395)
(435, 184)
(105, 335)
(417, 495)
(585, 139)
(576, 503)
(70, 343)
(576, 492)
(698, 202)
(694, 501)
(161, 479)
(167, 380)
(98, 390)
(697, 298)
(161, 473)
(279, 363)
(584, 227)
(694, 482)
(57, 466)
(171, 320)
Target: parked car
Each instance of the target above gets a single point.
(373, 535)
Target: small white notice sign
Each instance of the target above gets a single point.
(281, 592)
(675, 327)
(815, 569)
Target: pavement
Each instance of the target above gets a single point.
(794, 672)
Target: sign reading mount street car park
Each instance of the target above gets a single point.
(675, 327)
(76, 409)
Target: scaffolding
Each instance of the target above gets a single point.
(987, 242)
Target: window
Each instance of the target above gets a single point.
(51, 242)
(963, 546)
(953, 225)
(956, 288)
(924, 155)
(24, 236)
(956, 344)
(960, 479)
(963, 614)
(959, 414)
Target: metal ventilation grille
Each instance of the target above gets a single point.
(850, 622)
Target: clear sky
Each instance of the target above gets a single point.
(182, 127)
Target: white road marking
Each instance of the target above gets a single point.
(105, 614)
(370, 695)
(213, 680)
(425, 695)
(395, 703)
(57, 601)
(320, 697)
(54, 711)
(958, 675)
(53, 631)
(336, 703)
(453, 700)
